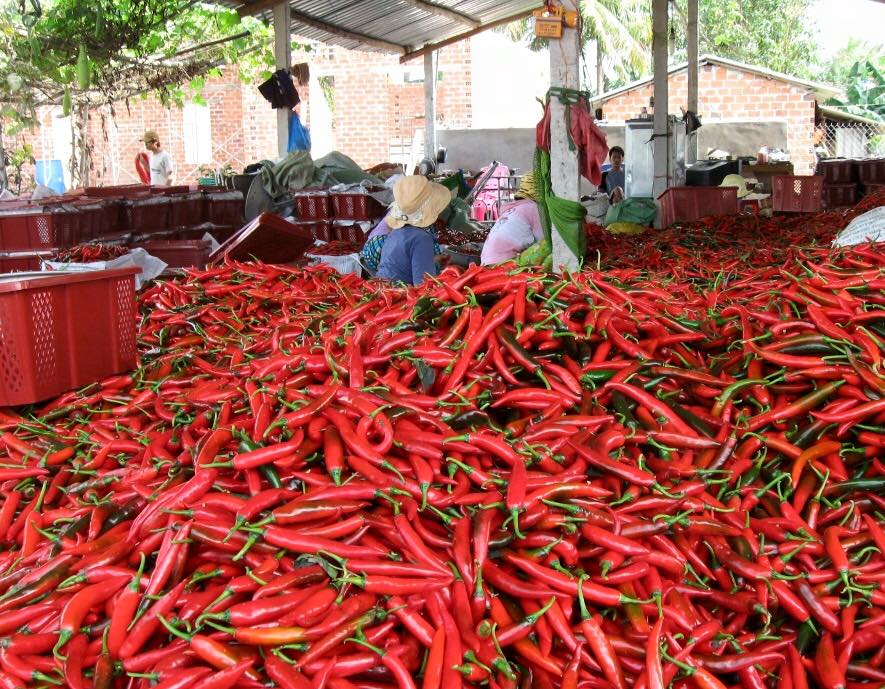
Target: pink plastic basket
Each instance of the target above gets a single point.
(312, 205)
(796, 194)
(63, 330)
(687, 204)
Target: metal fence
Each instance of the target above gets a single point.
(853, 139)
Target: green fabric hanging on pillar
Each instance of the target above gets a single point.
(564, 216)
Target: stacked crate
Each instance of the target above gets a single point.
(871, 175)
(840, 182)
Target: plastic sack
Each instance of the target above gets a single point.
(637, 211)
(626, 228)
(347, 264)
(150, 266)
(535, 255)
(869, 227)
(299, 135)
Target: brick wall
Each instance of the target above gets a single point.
(734, 94)
(375, 109)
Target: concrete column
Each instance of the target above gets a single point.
(282, 50)
(564, 170)
(691, 152)
(661, 127)
(430, 105)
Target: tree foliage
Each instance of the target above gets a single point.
(128, 47)
(774, 34)
(864, 89)
(623, 29)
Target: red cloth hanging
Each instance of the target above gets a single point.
(591, 142)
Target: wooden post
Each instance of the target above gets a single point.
(282, 50)
(564, 170)
(661, 145)
(4, 180)
(691, 152)
(429, 106)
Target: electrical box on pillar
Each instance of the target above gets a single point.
(550, 20)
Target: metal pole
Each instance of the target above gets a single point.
(430, 106)
(282, 50)
(564, 170)
(661, 144)
(691, 153)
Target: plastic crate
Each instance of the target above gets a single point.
(839, 195)
(837, 171)
(187, 210)
(27, 227)
(871, 171)
(92, 218)
(350, 233)
(312, 205)
(687, 204)
(356, 207)
(796, 194)
(123, 191)
(268, 239)
(320, 231)
(225, 208)
(63, 330)
(22, 261)
(180, 253)
(873, 189)
(147, 213)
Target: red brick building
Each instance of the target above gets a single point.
(365, 105)
(731, 90)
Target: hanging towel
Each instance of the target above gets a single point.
(583, 133)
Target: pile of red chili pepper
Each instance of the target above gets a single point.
(335, 248)
(87, 253)
(500, 479)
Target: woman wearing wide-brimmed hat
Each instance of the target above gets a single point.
(408, 252)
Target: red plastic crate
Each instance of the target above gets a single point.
(22, 261)
(268, 239)
(356, 207)
(839, 195)
(180, 253)
(225, 208)
(796, 194)
(187, 210)
(350, 233)
(871, 171)
(873, 189)
(837, 171)
(24, 226)
(92, 217)
(63, 330)
(321, 231)
(687, 204)
(118, 191)
(312, 205)
(146, 213)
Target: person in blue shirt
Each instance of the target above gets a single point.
(408, 252)
(615, 179)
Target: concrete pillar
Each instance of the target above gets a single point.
(282, 50)
(564, 170)
(661, 127)
(430, 105)
(691, 152)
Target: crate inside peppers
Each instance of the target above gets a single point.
(666, 470)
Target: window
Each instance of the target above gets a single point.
(197, 134)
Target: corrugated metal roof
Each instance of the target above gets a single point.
(408, 25)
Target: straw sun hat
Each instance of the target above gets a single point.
(417, 201)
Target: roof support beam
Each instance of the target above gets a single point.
(440, 11)
(429, 106)
(430, 47)
(565, 176)
(691, 34)
(301, 18)
(661, 142)
(282, 50)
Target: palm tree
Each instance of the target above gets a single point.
(620, 31)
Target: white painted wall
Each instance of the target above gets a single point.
(507, 79)
(322, 135)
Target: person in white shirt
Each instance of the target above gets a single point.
(160, 161)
